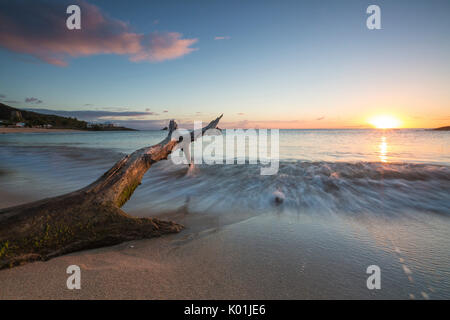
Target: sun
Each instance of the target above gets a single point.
(385, 122)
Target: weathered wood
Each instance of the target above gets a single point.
(87, 218)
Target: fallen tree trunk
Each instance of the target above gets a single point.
(87, 218)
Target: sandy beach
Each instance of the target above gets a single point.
(269, 256)
(34, 130)
(261, 258)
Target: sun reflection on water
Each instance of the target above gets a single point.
(383, 146)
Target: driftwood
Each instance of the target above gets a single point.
(90, 217)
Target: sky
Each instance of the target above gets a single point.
(264, 64)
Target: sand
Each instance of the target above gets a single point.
(214, 264)
(34, 130)
(276, 255)
(271, 256)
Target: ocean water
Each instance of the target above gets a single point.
(353, 171)
(386, 191)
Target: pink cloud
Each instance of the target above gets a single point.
(162, 46)
(39, 29)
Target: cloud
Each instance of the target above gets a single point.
(39, 29)
(241, 114)
(131, 119)
(11, 101)
(95, 115)
(320, 118)
(144, 124)
(33, 100)
(165, 111)
(269, 124)
(2, 96)
(443, 118)
(222, 38)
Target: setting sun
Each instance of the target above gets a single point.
(385, 122)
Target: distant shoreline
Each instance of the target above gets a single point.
(29, 121)
(35, 130)
(45, 130)
(446, 128)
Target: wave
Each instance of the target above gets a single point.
(300, 186)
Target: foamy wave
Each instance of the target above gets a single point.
(360, 187)
(317, 187)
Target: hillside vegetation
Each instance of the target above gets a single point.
(11, 116)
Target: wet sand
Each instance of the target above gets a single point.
(225, 263)
(270, 256)
(34, 130)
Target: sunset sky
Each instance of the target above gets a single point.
(271, 64)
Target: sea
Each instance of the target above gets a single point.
(361, 197)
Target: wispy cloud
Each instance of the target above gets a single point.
(144, 124)
(320, 118)
(441, 118)
(222, 38)
(38, 28)
(96, 115)
(33, 100)
(269, 124)
(2, 96)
